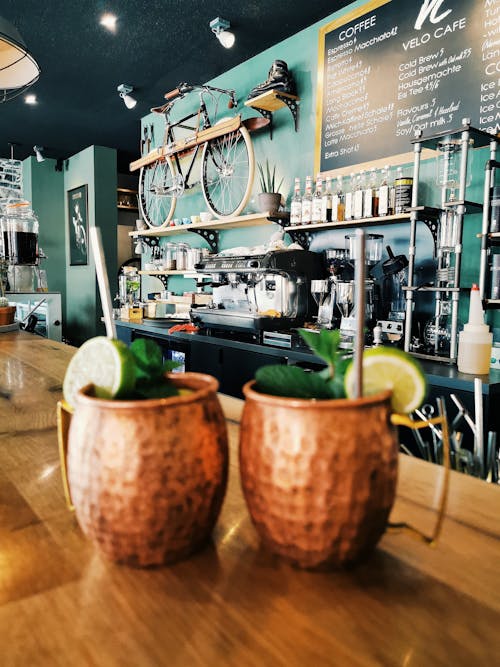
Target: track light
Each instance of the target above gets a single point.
(220, 29)
(125, 91)
(38, 152)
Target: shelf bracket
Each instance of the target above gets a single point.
(290, 102)
(163, 280)
(150, 241)
(268, 115)
(211, 236)
(299, 236)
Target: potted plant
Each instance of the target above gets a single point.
(270, 197)
(7, 312)
(319, 469)
(146, 452)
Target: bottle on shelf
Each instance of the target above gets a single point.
(317, 201)
(371, 196)
(358, 195)
(348, 210)
(296, 204)
(383, 193)
(403, 186)
(306, 212)
(338, 204)
(327, 203)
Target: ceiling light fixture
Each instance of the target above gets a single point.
(220, 29)
(30, 99)
(18, 68)
(125, 91)
(38, 152)
(108, 21)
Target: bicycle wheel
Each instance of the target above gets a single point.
(158, 191)
(227, 168)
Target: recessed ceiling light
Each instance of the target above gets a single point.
(108, 21)
(30, 99)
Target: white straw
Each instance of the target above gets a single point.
(359, 301)
(102, 280)
(478, 415)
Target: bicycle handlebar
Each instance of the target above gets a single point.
(184, 88)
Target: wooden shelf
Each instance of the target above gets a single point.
(250, 220)
(128, 208)
(271, 100)
(362, 222)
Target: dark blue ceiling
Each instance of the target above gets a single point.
(158, 43)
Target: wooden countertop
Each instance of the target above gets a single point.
(62, 604)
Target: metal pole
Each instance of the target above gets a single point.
(359, 300)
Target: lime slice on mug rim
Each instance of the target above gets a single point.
(106, 363)
(390, 368)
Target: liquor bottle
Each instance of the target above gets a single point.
(371, 196)
(392, 197)
(317, 201)
(403, 186)
(340, 200)
(306, 213)
(327, 202)
(383, 192)
(296, 205)
(358, 196)
(348, 198)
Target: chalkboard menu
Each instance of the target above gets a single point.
(392, 67)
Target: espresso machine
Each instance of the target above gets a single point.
(256, 293)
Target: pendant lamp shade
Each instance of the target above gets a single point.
(18, 68)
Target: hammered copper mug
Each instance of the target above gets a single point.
(318, 476)
(147, 477)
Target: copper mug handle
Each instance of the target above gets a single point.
(64, 414)
(404, 420)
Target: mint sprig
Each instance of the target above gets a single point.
(295, 382)
(150, 369)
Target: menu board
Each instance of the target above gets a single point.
(392, 67)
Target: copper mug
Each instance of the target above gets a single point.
(319, 476)
(146, 478)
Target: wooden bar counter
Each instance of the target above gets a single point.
(233, 603)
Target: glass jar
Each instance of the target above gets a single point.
(170, 258)
(182, 256)
(20, 233)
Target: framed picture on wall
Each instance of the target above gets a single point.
(78, 225)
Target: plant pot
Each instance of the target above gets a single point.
(147, 478)
(269, 201)
(7, 314)
(318, 476)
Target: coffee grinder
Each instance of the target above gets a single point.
(345, 289)
(393, 277)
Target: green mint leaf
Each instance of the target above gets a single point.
(148, 358)
(157, 388)
(325, 343)
(291, 381)
(169, 365)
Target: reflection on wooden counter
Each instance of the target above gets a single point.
(233, 603)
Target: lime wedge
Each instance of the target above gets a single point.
(107, 364)
(390, 368)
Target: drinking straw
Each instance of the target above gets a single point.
(478, 414)
(102, 280)
(359, 300)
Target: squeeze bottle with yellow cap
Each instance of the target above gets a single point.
(474, 342)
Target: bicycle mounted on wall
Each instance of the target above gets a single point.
(227, 159)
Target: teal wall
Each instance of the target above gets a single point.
(293, 154)
(96, 167)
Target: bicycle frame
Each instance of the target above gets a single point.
(169, 137)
